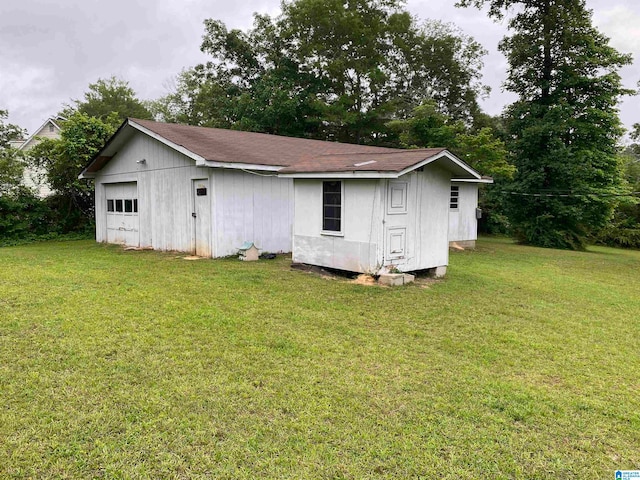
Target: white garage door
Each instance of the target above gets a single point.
(122, 213)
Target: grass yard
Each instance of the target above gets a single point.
(523, 363)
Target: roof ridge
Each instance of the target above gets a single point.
(394, 151)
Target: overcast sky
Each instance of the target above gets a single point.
(51, 51)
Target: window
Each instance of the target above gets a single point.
(51, 128)
(455, 194)
(332, 206)
(127, 205)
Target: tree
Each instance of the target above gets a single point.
(427, 127)
(11, 162)
(479, 147)
(63, 159)
(335, 70)
(106, 97)
(564, 127)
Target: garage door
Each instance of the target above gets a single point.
(123, 223)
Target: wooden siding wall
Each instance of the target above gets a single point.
(165, 201)
(369, 220)
(432, 219)
(360, 247)
(34, 178)
(426, 220)
(253, 208)
(463, 225)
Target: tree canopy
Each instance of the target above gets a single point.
(63, 159)
(564, 128)
(106, 97)
(329, 69)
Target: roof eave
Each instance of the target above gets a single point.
(345, 174)
(456, 164)
(472, 180)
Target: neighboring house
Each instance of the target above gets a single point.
(207, 191)
(464, 212)
(34, 178)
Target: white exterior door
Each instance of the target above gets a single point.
(123, 223)
(396, 222)
(201, 218)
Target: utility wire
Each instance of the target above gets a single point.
(569, 195)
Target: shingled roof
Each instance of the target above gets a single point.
(288, 155)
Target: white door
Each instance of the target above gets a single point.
(201, 218)
(123, 223)
(396, 222)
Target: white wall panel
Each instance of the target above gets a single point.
(463, 225)
(251, 208)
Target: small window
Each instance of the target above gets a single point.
(455, 194)
(51, 128)
(128, 206)
(110, 206)
(135, 205)
(332, 206)
(201, 191)
(118, 205)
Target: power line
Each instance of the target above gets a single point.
(569, 195)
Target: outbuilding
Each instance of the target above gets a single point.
(207, 191)
(379, 212)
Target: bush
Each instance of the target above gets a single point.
(26, 218)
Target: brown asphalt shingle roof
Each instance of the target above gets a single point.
(297, 155)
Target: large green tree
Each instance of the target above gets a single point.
(329, 69)
(106, 97)
(565, 125)
(64, 158)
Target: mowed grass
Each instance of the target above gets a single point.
(522, 363)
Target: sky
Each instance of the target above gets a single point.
(51, 51)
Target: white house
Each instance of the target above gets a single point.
(208, 191)
(33, 178)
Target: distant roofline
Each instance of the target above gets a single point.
(34, 135)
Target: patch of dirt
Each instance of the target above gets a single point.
(365, 279)
(192, 257)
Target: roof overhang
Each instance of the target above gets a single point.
(129, 128)
(443, 159)
(469, 180)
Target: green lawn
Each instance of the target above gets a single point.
(523, 363)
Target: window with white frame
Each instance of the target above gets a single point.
(122, 205)
(455, 195)
(332, 206)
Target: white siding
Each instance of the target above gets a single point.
(35, 178)
(359, 249)
(432, 218)
(463, 226)
(253, 208)
(401, 222)
(243, 206)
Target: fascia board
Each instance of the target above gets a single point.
(350, 174)
(444, 154)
